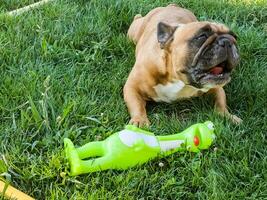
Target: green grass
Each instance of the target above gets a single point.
(8, 5)
(62, 70)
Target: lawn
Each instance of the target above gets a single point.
(8, 5)
(63, 67)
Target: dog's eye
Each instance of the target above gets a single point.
(202, 37)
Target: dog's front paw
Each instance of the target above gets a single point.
(235, 119)
(140, 121)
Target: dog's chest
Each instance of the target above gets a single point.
(176, 90)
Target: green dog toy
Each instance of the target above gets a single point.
(134, 146)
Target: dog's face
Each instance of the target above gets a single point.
(204, 52)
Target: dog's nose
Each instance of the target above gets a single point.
(224, 42)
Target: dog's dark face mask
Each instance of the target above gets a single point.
(209, 56)
(215, 56)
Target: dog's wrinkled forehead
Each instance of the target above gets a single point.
(182, 33)
(189, 31)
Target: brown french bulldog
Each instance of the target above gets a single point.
(178, 57)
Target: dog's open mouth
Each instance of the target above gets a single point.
(217, 74)
(219, 69)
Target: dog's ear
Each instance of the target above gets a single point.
(165, 34)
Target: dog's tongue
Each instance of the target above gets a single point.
(216, 70)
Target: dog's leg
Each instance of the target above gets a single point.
(221, 106)
(136, 106)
